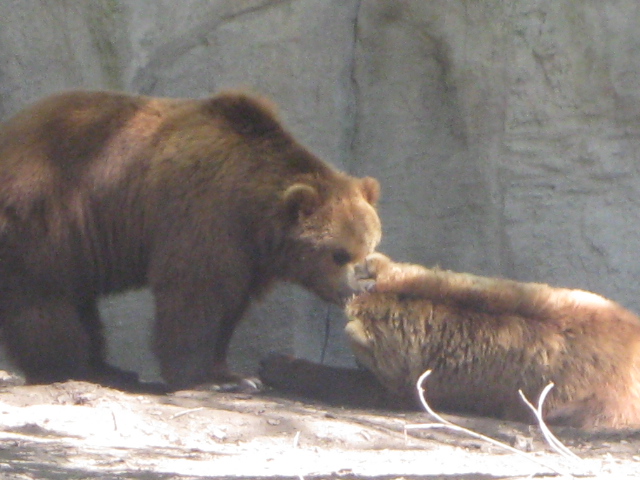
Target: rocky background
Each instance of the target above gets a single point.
(505, 133)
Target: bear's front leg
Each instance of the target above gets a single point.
(194, 326)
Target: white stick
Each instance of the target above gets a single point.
(445, 424)
(551, 439)
(186, 412)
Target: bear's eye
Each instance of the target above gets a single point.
(341, 257)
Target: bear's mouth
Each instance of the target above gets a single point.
(361, 343)
(357, 334)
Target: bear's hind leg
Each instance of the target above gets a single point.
(45, 338)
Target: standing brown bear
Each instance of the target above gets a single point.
(484, 339)
(208, 202)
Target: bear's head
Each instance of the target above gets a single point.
(327, 222)
(336, 227)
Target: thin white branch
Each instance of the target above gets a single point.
(445, 424)
(551, 439)
(186, 412)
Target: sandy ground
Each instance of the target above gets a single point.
(78, 430)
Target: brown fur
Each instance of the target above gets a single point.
(486, 338)
(206, 201)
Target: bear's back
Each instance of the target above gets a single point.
(92, 181)
(59, 136)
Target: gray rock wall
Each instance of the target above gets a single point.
(505, 133)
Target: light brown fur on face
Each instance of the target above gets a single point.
(208, 202)
(334, 238)
(486, 338)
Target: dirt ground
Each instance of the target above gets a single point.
(78, 430)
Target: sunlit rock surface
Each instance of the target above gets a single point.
(505, 134)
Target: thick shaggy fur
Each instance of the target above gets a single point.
(486, 338)
(208, 202)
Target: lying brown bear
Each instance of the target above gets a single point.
(208, 202)
(484, 339)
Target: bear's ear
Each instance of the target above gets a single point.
(370, 190)
(301, 199)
